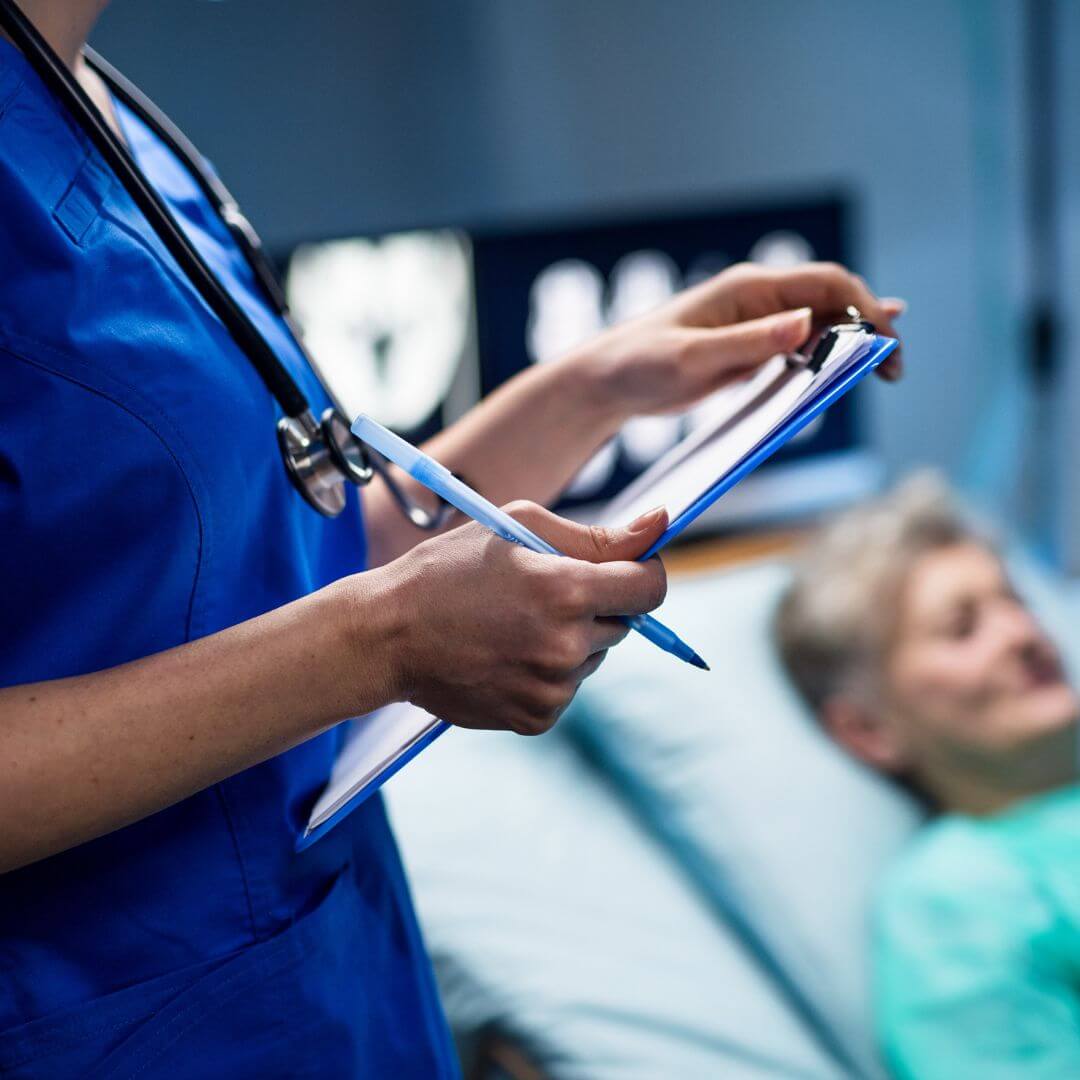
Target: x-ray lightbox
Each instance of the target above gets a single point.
(413, 327)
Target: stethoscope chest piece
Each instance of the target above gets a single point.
(321, 457)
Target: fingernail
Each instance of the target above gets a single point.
(647, 520)
(894, 304)
(797, 322)
(892, 369)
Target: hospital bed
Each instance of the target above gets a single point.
(675, 882)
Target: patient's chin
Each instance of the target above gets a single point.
(1049, 709)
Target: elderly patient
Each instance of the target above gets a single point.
(903, 632)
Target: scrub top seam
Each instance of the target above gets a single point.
(137, 229)
(153, 247)
(20, 356)
(226, 811)
(9, 98)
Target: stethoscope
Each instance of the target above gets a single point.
(321, 455)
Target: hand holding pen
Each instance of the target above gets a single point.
(457, 493)
(486, 634)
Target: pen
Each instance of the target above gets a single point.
(440, 480)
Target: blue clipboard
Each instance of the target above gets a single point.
(879, 349)
(306, 839)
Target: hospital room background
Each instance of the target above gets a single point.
(675, 882)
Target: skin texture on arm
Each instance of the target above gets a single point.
(481, 632)
(528, 438)
(82, 756)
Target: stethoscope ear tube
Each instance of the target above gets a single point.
(212, 186)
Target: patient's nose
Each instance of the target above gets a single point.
(1017, 628)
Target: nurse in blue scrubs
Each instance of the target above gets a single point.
(181, 632)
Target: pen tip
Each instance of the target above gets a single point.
(699, 663)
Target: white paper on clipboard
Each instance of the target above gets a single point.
(373, 743)
(738, 419)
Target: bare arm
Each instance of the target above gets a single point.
(528, 438)
(478, 631)
(523, 441)
(82, 756)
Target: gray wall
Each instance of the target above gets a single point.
(332, 116)
(1066, 442)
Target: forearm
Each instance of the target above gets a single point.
(524, 441)
(529, 437)
(80, 757)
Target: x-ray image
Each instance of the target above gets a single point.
(571, 301)
(412, 327)
(566, 307)
(388, 320)
(782, 248)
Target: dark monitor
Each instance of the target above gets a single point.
(414, 327)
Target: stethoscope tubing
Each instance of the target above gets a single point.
(304, 439)
(70, 94)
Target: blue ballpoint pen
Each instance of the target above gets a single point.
(440, 480)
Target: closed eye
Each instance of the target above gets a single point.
(963, 620)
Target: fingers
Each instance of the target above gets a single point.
(714, 355)
(744, 298)
(830, 289)
(586, 669)
(591, 543)
(893, 366)
(623, 588)
(605, 634)
(554, 691)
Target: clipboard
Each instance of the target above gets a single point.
(350, 784)
(380, 744)
(879, 348)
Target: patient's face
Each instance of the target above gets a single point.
(971, 676)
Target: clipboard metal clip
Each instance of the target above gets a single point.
(818, 349)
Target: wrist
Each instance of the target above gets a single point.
(369, 627)
(589, 377)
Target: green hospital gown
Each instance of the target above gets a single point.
(977, 947)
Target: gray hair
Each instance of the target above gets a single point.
(834, 620)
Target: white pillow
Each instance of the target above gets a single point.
(783, 832)
(552, 915)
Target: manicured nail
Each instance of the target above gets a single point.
(791, 323)
(647, 520)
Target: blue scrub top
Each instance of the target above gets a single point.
(143, 504)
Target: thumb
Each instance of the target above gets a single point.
(593, 543)
(747, 344)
